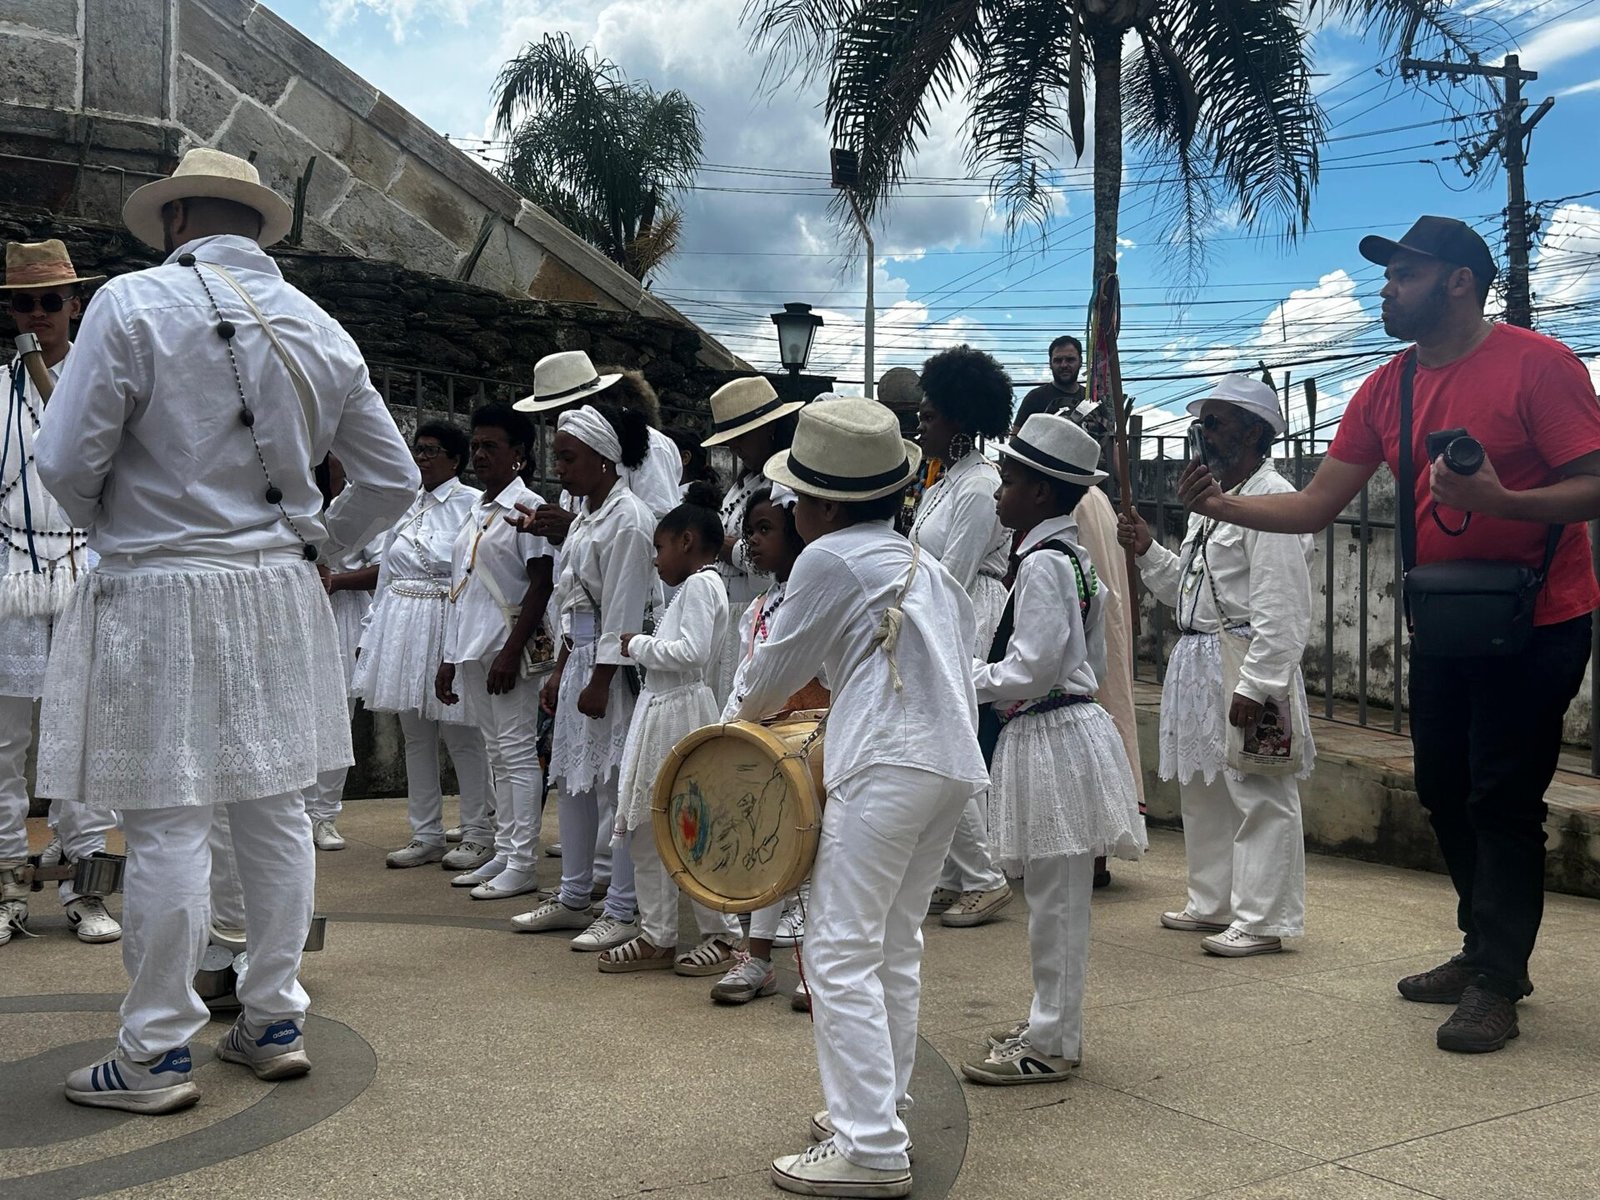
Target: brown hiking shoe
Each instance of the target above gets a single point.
(1482, 1022)
(1442, 985)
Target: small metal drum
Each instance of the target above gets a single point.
(99, 875)
(317, 934)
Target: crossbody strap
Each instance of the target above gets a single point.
(1406, 502)
(1008, 618)
(302, 385)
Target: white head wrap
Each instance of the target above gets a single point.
(783, 497)
(594, 431)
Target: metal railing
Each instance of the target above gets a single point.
(1361, 599)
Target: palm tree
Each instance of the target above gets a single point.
(600, 153)
(1216, 93)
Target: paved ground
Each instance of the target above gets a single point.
(455, 1058)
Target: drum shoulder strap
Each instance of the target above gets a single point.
(1008, 618)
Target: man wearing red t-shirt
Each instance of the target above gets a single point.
(1485, 731)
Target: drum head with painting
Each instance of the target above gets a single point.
(737, 812)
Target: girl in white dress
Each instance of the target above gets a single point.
(606, 585)
(676, 700)
(966, 395)
(1062, 790)
(401, 649)
(748, 418)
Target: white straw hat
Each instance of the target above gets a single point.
(210, 174)
(562, 379)
(1056, 446)
(743, 404)
(846, 449)
(1250, 395)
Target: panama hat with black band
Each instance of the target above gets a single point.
(741, 405)
(1056, 446)
(207, 174)
(563, 379)
(846, 450)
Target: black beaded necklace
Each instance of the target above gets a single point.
(247, 416)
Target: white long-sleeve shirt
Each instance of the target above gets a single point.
(476, 627)
(145, 447)
(841, 586)
(608, 560)
(1263, 580)
(1051, 644)
(957, 523)
(688, 644)
(421, 544)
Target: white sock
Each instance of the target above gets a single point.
(509, 880)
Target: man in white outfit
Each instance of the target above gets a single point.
(41, 556)
(191, 670)
(1241, 827)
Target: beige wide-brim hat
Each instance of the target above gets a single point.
(43, 264)
(1056, 446)
(209, 174)
(846, 449)
(1249, 395)
(563, 379)
(745, 404)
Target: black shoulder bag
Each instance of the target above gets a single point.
(989, 722)
(1466, 608)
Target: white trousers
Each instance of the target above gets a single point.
(968, 867)
(764, 922)
(325, 798)
(82, 829)
(510, 726)
(425, 796)
(585, 817)
(658, 897)
(1247, 852)
(885, 833)
(227, 889)
(166, 902)
(1058, 891)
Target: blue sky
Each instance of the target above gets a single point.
(758, 231)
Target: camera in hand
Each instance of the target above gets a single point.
(1462, 452)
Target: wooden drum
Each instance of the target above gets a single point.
(737, 810)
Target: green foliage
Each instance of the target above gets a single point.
(600, 153)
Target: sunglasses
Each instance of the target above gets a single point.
(426, 453)
(1212, 421)
(50, 302)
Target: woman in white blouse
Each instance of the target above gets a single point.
(403, 645)
(748, 418)
(499, 586)
(608, 582)
(966, 395)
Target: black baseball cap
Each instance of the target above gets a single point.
(1444, 238)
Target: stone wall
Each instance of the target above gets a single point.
(102, 95)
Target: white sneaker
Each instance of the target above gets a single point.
(750, 977)
(791, 926)
(823, 1171)
(1018, 1062)
(482, 874)
(800, 999)
(414, 854)
(13, 902)
(468, 856)
(553, 850)
(550, 916)
(605, 933)
(277, 1052)
(505, 885)
(1236, 943)
(822, 1129)
(326, 835)
(452, 835)
(88, 915)
(118, 1082)
(51, 855)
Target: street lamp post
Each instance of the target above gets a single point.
(846, 171)
(797, 330)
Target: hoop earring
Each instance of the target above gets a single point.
(960, 446)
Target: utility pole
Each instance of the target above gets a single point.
(1510, 137)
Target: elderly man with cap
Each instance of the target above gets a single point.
(1494, 436)
(190, 669)
(41, 557)
(1243, 602)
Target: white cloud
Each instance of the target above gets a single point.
(401, 14)
(1579, 88)
(1559, 42)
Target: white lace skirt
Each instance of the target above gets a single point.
(1194, 713)
(659, 723)
(400, 654)
(585, 752)
(989, 603)
(1062, 785)
(24, 652)
(349, 612)
(187, 688)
